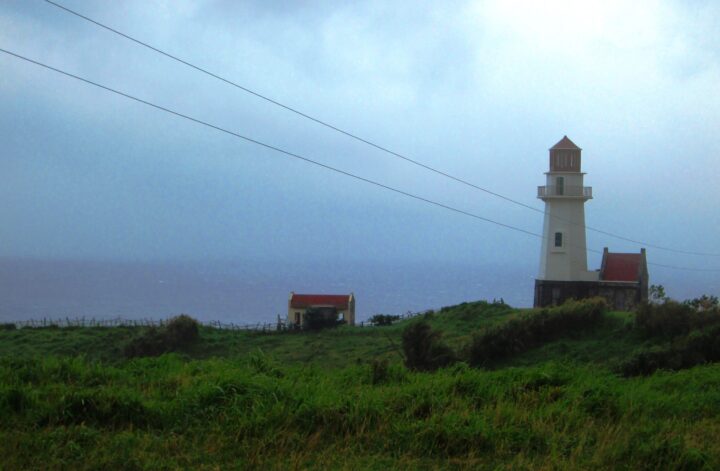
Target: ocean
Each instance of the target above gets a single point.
(243, 292)
(257, 292)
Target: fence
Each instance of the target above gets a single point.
(278, 326)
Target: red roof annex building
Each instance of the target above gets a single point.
(338, 305)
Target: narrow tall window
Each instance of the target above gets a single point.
(560, 185)
(558, 239)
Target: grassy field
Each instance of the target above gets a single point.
(240, 400)
(330, 348)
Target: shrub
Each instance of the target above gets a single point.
(321, 318)
(703, 303)
(180, 333)
(7, 326)
(424, 349)
(534, 329)
(383, 319)
(150, 344)
(671, 319)
(698, 347)
(657, 294)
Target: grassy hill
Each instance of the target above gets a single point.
(344, 346)
(239, 400)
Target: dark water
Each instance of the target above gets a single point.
(252, 292)
(242, 292)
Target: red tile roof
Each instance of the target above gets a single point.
(300, 301)
(622, 267)
(565, 143)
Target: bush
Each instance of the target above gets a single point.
(424, 349)
(321, 318)
(180, 333)
(8, 326)
(671, 318)
(698, 347)
(534, 329)
(383, 319)
(703, 303)
(150, 344)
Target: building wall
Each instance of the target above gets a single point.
(350, 319)
(347, 314)
(569, 262)
(292, 319)
(622, 296)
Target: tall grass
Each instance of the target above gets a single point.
(534, 328)
(167, 412)
(672, 319)
(342, 399)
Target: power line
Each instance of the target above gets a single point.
(306, 159)
(368, 142)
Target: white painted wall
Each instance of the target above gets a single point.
(568, 262)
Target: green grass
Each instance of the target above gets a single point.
(241, 400)
(330, 348)
(167, 413)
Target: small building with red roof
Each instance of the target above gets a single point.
(623, 267)
(341, 306)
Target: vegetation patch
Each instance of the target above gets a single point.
(383, 319)
(180, 333)
(696, 348)
(671, 318)
(170, 413)
(533, 329)
(424, 349)
(321, 318)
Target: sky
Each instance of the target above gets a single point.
(479, 90)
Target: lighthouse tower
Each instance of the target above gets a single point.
(563, 257)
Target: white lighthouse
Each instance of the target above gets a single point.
(564, 256)
(622, 278)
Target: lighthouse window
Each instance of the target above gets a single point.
(558, 239)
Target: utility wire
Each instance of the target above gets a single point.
(306, 159)
(370, 143)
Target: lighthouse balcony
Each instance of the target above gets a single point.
(564, 191)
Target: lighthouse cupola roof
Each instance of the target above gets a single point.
(565, 143)
(565, 156)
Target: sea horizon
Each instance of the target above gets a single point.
(242, 292)
(256, 291)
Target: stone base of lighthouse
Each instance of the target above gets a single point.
(620, 295)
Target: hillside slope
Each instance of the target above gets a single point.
(339, 347)
(239, 400)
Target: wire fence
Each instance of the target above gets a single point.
(280, 325)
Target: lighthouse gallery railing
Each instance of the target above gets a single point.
(565, 190)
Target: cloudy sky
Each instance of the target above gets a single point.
(480, 90)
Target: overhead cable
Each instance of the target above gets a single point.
(368, 142)
(306, 159)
